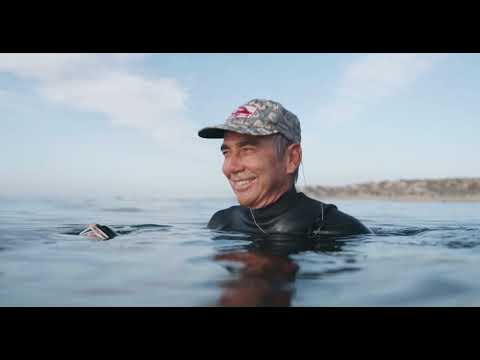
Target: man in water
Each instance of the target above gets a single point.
(262, 154)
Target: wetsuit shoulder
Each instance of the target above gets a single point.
(223, 219)
(340, 223)
(331, 220)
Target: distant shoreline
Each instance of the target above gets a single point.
(412, 190)
(399, 199)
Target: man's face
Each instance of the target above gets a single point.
(257, 176)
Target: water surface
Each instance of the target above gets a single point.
(422, 254)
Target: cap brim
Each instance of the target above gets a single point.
(218, 131)
(213, 132)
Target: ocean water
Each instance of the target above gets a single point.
(421, 254)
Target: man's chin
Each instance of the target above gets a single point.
(244, 200)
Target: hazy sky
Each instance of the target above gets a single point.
(126, 124)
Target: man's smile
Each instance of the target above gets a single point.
(240, 185)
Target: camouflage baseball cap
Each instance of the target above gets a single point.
(258, 117)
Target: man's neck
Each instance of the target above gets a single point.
(274, 198)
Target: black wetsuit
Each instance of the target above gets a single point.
(293, 214)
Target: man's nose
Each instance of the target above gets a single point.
(232, 164)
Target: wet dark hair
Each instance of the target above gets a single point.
(281, 144)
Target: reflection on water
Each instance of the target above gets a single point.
(264, 272)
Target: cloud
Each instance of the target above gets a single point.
(113, 85)
(56, 67)
(107, 84)
(126, 99)
(371, 78)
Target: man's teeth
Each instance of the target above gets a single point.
(243, 182)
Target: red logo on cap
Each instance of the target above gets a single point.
(244, 111)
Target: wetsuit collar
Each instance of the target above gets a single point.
(277, 208)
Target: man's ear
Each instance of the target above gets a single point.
(294, 157)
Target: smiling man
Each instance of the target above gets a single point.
(262, 154)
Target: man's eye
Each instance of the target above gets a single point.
(248, 149)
